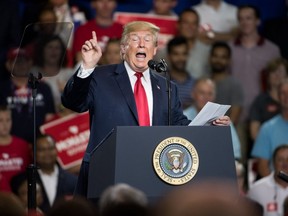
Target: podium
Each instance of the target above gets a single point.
(126, 156)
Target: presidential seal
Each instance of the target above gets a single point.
(175, 160)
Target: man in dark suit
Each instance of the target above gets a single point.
(107, 91)
(55, 182)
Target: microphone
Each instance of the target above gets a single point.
(157, 66)
(163, 67)
(282, 175)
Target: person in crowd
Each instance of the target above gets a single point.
(177, 53)
(90, 86)
(111, 54)
(67, 12)
(45, 24)
(11, 205)
(206, 198)
(47, 15)
(272, 133)
(63, 10)
(250, 45)
(204, 90)
(285, 206)
(123, 199)
(55, 182)
(16, 93)
(241, 177)
(271, 190)
(250, 54)
(19, 187)
(50, 61)
(228, 89)
(15, 153)
(266, 104)
(73, 207)
(163, 8)
(187, 27)
(103, 24)
(218, 20)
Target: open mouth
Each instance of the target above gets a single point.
(141, 55)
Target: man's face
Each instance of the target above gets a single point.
(139, 49)
(163, 7)
(104, 8)
(283, 96)
(5, 123)
(219, 60)
(248, 22)
(112, 53)
(188, 25)
(275, 77)
(178, 57)
(48, 16)
(46, 152)
(203, 92)
(281, 161)
(53, 53)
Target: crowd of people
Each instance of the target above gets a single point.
(218, 54)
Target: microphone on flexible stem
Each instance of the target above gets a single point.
(161, 67)
(158, 66)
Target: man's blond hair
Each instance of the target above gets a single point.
(139, 26)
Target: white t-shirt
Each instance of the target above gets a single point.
(269, 194)
(221, 20)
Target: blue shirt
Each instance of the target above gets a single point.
(191, 113)
(184, 91)
(272, 134)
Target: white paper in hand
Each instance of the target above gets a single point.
(209, 113)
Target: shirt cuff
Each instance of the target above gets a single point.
(84, 73)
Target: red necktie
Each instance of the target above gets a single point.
(141, 101)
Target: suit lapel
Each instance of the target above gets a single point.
(124, 84)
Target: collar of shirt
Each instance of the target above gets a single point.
(222, 6)
(146, 82)
(260, 41)
(53, 174)
(133, 78)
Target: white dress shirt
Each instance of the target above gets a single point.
(50, 183)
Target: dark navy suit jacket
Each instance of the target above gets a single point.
(108, 95)
(65, 187)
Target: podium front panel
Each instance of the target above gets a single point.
(126, 157)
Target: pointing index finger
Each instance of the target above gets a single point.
(94, 36)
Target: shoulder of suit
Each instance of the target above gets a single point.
(106, 68)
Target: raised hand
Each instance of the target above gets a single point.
(91, 52)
